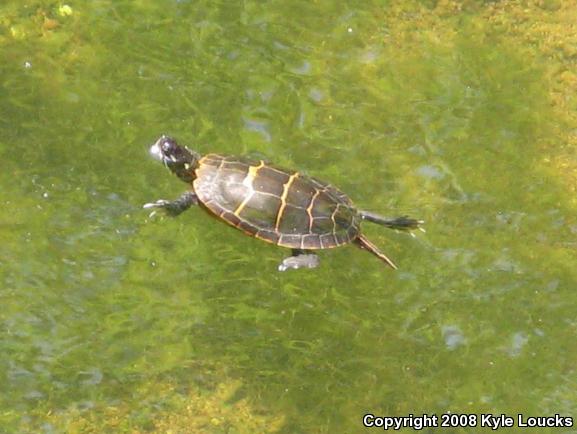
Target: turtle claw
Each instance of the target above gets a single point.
(175, 207)
(161, 203)
(299, 261)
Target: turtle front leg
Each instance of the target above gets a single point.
(299, 259)
(175, 207)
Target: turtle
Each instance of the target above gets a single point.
(265, 201)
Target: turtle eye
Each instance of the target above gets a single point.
(165, 149)
(168, 146)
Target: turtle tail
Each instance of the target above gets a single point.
(364, 243)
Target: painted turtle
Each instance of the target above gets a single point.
(283, 207)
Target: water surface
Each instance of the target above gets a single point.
(457, 113)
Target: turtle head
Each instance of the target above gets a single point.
(179, 159)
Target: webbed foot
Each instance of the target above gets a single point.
(299, 259)
(175, 207)
(403, 223)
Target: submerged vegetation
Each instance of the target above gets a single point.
(459, 112)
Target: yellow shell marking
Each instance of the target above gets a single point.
(286, 188)
(247, 182)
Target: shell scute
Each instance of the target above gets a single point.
(301, 193)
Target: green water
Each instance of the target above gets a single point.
(102, 307)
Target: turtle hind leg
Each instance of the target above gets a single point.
(364, 243)
(175, 207)
(299, 259)
(403, 223)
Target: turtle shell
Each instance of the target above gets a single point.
(280, 206)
